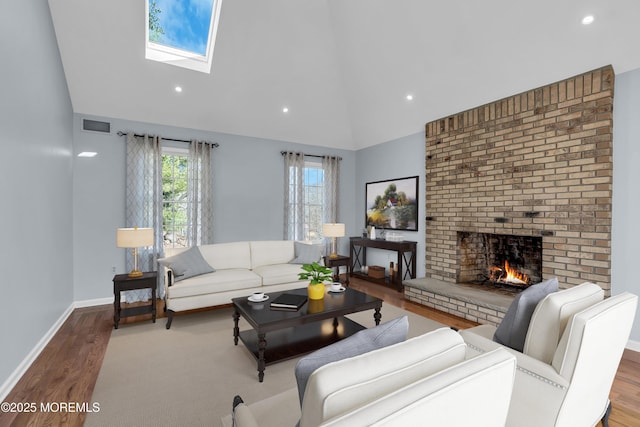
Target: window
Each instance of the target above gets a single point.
(313, 200)
(174, 197)
(182, 32)
(310, 195)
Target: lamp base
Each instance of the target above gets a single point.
(333, 255)
(135, 273)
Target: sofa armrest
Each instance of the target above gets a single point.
(479, 344)
(169, 277)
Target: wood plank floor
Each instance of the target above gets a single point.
(67, 369)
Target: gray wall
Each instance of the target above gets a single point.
(394, 159)
(626, 189)
(248, 204)
(35, 147)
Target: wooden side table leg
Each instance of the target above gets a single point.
(153, 303)
(377, 316)
(116, 309)
(236, 329)
(348, 272)
(262, 345)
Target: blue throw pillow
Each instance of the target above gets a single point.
(512, 331)
(187, 264)
(391, 332)
(306, 253)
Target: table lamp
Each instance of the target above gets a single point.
(333, 230)
(134, 238)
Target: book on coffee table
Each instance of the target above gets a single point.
(288, 302)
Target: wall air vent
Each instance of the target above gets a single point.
(96, 126)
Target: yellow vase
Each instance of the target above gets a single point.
(316, 291)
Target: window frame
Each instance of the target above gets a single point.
(183, 58)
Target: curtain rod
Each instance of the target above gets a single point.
(213, 144)
(309, 155)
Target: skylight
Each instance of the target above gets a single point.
(182, 32)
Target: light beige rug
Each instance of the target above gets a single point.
(188, 375)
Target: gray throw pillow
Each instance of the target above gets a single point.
(391, 332)
(512, 331)
(187, 264)
(306, 253)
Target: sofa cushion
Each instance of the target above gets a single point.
(280, 273)
(270, 252)
(550, 318)
(227, 255)
(220, 281)
(388, 333)
(512, 331)
(187, 264)
(306, 253)
(341, 386)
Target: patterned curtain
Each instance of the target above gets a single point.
(293, 196)
(331, 174)
(200, 194)
(143, 206)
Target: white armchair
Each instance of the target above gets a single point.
(571, 354)
(423, 378)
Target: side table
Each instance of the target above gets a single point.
(337, 262)
(122, 282)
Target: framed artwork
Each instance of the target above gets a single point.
(393, 204)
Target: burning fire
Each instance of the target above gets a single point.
(509, 275)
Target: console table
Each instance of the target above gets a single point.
(406, 259)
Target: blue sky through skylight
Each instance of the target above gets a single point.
(185, 23)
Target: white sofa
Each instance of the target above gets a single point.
(241, 268)
(425, 380)
(571, 354)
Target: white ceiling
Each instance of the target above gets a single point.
(343, 67)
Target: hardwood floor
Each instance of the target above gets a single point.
(67, 369)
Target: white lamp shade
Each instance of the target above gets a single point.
(333, 230)
(134, 237)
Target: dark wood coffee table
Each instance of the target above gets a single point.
(316, 324)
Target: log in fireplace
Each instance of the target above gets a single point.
(498, 259)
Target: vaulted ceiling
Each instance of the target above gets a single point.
(342, 67)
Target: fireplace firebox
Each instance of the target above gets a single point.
(499, 259)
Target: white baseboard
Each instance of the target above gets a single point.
(633, 345)
(13, 379)
(92, 302)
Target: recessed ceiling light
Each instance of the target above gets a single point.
(587, 20)
(178, 89)
(409, 97)
(87, 154)
(285, 109)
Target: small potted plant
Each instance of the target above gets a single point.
(316, 274)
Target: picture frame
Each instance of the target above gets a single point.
(392, 204)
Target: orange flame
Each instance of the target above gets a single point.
(514, 276)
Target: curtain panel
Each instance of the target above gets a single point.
(331, 175)
(200, 194)
(143, 204)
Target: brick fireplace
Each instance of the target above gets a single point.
(536, 164)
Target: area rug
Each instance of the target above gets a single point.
(188, 375)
